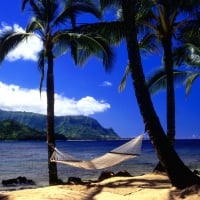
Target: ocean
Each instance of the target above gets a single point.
(29, 159)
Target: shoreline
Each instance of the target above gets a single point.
(149, 186)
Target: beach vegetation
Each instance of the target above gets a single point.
(188, 53)
(54, 22)
(126, 27)
(166, 20)
(180, 176)
(13, 130)
(66, 127)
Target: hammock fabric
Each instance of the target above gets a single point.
(126, 151)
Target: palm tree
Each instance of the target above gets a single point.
(186, 56)
(167, 19)
(164, 19)
(175, 168)
(188, 52)
(53, 22)
(194, 72)
(117, 30)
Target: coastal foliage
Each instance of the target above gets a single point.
(177, 172)
(12, 130)
(179, 175)
(54, 23)
(33, 126)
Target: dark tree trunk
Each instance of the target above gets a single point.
(53, 177)
(179, 175)
(168, 64)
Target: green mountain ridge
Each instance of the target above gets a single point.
(12, 130)
(69, 127)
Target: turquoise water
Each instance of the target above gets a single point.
(29, 158)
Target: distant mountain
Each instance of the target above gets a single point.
(12, 130)
(71, 127)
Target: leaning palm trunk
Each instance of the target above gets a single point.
(179, 175)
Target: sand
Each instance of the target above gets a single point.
(144, 187)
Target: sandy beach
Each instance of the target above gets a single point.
(145, 187)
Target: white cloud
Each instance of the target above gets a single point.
(106, 84)
(26, 50)
(15, 98)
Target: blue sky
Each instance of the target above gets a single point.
(88, 90)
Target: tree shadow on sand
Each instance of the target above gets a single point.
(4, 197)
(137, 185)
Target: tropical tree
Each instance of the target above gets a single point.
(164, 20)
(170, 161)
(54, 21)
(188, 52)
(186, 56)
(186, 59)
(175, 168)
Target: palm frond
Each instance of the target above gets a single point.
(158, 80)
(34, 25)
(189, 82)
(189, 32)
(179, 55)
(124, 79)
(113, 31)
(60, 48)
(42, 10)
(144, 11)
(49, 9)
(84, 45)
(189, 7)
(41, 65)
(180, 76)
(9, 40)
(72, 8)
(149, 44)
(24, 2)
(62, 42)
(110, 3)
(94, 45)
(74, 50)
(35, 9)
(188, 54)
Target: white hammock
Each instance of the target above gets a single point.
(126, 151)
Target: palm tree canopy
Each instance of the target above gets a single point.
(110, 3)
(9, 39)
(188, 52)
(158, 80)
(53, 21)
(165, 18)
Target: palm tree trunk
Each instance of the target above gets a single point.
(168, 64)
(179, 175)
(53, 177)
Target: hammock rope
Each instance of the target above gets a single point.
(130, 149)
